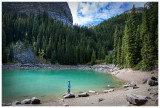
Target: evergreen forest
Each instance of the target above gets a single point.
(127, 40)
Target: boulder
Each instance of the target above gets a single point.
(35, 100)
(152, 82)
(136, 99)
(83, 94)
(16, 103)
(132, 84)
(156, 102)
(70, 95)
(110, 90)
(26, 101)
(91, 91)
(144, 80)
(154, 78)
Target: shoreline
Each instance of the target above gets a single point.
(126, 75)
(99, 67)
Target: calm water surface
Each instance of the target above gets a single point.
(51, 84)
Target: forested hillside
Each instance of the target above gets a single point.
(133, 36)
(138, 47)
(51, 40)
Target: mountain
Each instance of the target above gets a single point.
(137, 10)
(56, 10)
(91, 25)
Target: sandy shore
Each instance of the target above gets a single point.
(115, 98)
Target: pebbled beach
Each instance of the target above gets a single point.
(117, 97)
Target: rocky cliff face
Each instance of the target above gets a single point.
(56, 10)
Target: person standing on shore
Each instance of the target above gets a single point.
(69, 86)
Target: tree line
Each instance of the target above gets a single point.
(138, 47)
(50, 39)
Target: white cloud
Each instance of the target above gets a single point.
(84, 13)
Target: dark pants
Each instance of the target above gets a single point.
(68, 90)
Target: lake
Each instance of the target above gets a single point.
(49, 85)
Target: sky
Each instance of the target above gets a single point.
(85, 13)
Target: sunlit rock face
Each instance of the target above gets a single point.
(59, 11)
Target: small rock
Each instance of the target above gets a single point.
(132, 84)
(148, 97)
(100, 99)
(62, 100)
(91, 91)
(83, 94)
(5, 104)
(43, 96)
(152, 72)
(26, 101)
(70, 95)
(110, 90)
(155, 93)
(16, 103)
(136, 99)
(121, 68)
(128, 104)
(35, 100)
(125, 86)
(135, 87)
(65, 105)
(149, 89)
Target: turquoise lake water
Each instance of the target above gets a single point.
(49, 85)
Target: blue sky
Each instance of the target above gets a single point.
(95, 12)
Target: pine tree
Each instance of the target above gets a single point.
(131, 45)
(93, 58)
(138, 46)
(119, 51)
(148, 49)
(116, 35)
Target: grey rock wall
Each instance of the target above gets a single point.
(56, 10)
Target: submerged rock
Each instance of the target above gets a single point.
(83, 94)
(70, 95)
(35, 100)
(136, 99)
(91, 91)
(26, 101)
